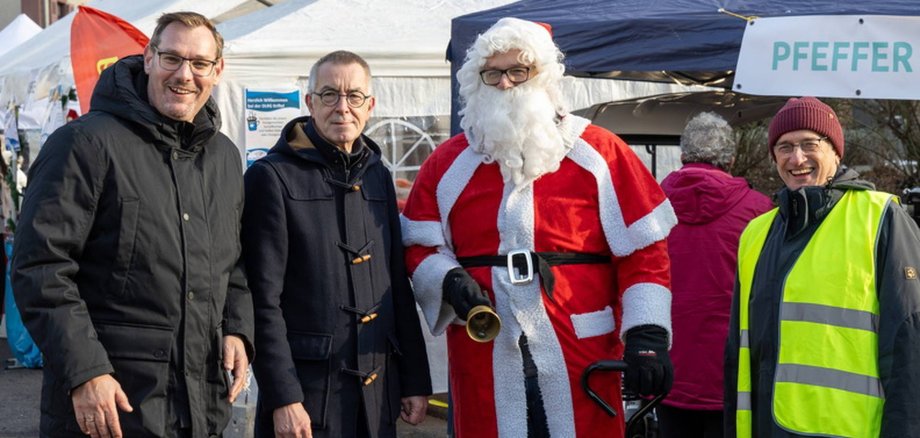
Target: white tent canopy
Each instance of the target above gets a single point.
(17, 32)
(403, 41)
(30, 70)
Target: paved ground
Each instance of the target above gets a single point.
(19, 396)
(20, 393)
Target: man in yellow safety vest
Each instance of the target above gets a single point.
(824, 338)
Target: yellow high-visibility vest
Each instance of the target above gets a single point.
(826, 381)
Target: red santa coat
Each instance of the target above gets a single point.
(602, 200)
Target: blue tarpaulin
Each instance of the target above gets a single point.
(664, 40)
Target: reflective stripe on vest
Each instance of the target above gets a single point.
(826, 380)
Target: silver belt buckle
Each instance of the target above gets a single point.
(515, 277)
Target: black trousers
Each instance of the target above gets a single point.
(537, 427)
(686, 423)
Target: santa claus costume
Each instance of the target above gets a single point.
(601, 201)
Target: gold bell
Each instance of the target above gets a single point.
(482, 323)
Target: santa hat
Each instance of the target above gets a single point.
(546, 26)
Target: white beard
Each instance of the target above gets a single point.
(518, 129)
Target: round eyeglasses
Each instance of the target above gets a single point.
(354, 99)
(517, 75)
(172, 62)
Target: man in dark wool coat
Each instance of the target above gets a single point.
(125, 263)
(341, 352)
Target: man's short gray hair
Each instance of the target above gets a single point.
(341, 57)
(708, 138)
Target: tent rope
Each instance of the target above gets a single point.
(748, 18)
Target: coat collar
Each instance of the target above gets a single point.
(296, 142)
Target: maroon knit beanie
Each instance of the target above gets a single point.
(806, 113)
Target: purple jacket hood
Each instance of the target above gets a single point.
(701, 193)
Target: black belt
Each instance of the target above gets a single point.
(525, 260)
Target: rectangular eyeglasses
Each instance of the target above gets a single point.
(809, 146)
(172, 62)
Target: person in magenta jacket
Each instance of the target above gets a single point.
(712, 207)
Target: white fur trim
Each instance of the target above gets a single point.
(425, 233)
(646, 303)
(452, 184)
(508, 369)
(592, 324)
(522, 311)
(515, 219)
(427, 280)
(622, 240)
(611, 216)
(571, 127)
(654, 226)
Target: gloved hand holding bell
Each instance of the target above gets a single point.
(482, 323)
(471, 305)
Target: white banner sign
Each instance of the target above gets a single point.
(848, 56)
(267, 111)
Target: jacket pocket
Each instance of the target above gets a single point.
(591, 324)
(140, 356)
(311, 353)
(314, 190)
(374, 192)
(124, 250)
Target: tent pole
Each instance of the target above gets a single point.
(46, 4)
(652, 150)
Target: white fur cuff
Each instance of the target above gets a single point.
(427, 281)
(653, 227)
(646, 303)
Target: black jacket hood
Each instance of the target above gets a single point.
(810, 205)
(122, 92)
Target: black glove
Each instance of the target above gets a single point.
(462, 292)
(649, 370)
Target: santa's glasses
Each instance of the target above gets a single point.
(517, 75)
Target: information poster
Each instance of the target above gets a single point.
(267, 111)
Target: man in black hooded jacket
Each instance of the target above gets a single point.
(125, 260)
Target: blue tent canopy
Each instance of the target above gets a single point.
(688, 41)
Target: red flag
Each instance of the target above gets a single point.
(97, 40)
